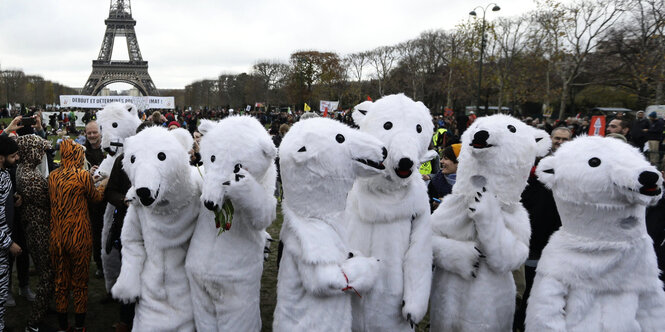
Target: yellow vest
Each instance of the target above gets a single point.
(426, 168)
(438, 132)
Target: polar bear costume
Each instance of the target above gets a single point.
(320, 158)
(116, 122)
(599, 271)
(481, 230)
(225, 269)
(157, 229)
(389, 216)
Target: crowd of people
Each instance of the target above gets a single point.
(64, 199)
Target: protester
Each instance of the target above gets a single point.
(70, 189)
(94, 155)
(8, 157)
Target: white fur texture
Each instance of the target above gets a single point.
(389, 218)
(126, 121)
(320, 159)
(481, 231)
(155, 236)
(599, 271)
(225, 270)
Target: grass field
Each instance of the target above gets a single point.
(102, 316)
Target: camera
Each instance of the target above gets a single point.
(28, 121)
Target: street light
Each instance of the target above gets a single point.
(496, 8)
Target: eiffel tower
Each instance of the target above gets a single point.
(134, 71)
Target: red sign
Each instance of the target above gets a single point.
(597, 125)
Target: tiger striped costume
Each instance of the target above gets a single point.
(70, 188)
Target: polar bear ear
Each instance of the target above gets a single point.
(360, 111)
(205, 126)
(183, 137)
(545, 171)
(269, 149)
(429, 155)
(543, 142)
(131, 108)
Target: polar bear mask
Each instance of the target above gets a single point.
(246, 147)
(602, 172)
(498, 152)
(322, 148)
(157, 164)
(117, 121)
(405, 127)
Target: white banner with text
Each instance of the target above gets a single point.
(143, 103)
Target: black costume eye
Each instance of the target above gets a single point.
(237, 168)
(594, 162)
(339, 138)
(212, 158)
(419, 129)
(132, 159)
(387, 125)
(114, 125)
(512, 128)
(161, 156)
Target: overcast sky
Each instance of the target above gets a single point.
(184, 41)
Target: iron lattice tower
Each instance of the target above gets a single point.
(134, 71)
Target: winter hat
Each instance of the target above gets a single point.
(173, 123)
(452, 152)
(653, 115)
(456, 149)
(7, 145)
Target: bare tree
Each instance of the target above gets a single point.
(356, 62)
(382, 59)
(584, 24)
(510, 35)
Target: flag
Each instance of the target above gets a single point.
(307, 108)
(597, 127)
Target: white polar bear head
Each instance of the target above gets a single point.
(498, 152)
(599, 171)
(157, 164)
(117, 121)
(405, 128)
(231, 144)
(321, 155)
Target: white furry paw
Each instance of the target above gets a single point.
(484, 207)
(125, 290)
(411, 313)
(465, 260)
(240, 184)
(361, 272)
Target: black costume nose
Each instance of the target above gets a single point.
(143, 192)
(144, 196)
(648, 178)
(481, 137)
(210, 205)
(405, 163)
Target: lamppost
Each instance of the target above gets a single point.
(496, 8)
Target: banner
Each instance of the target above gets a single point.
(597, 126)
(143, 103)
(329, 105)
